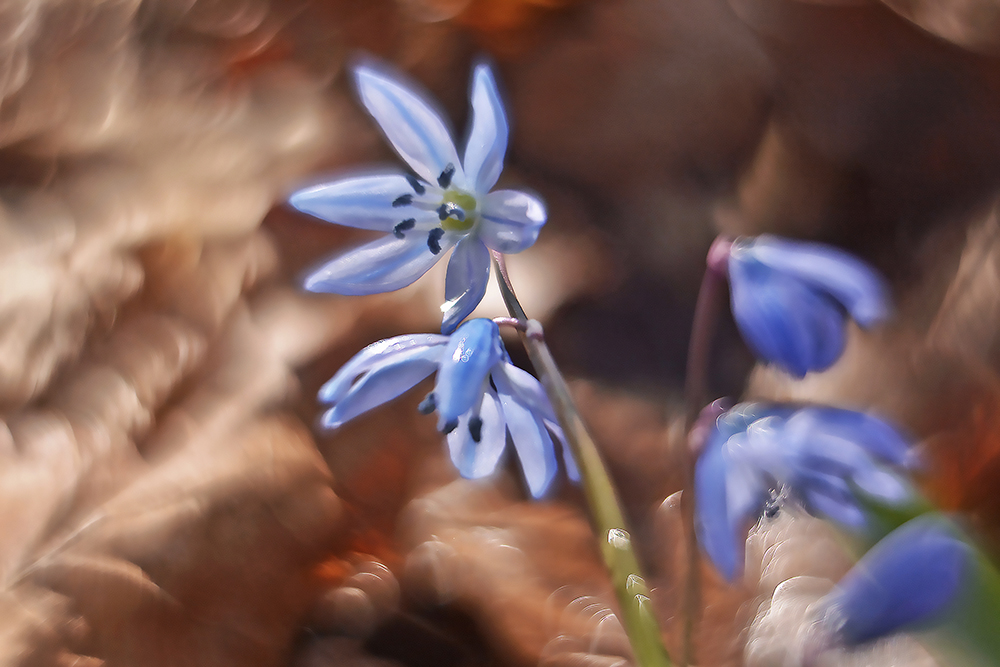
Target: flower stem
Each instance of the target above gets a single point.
(706, 316)
(614, 541)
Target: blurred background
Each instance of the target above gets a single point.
(165, 497)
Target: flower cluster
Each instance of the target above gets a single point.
(480, 398)
(790, 299)
(447, 204)
(821, 456)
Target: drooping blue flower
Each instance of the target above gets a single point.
(479, 396)
(791, 299)
(909, 580)
(819, 456)
(448, 204)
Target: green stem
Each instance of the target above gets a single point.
(614, 539)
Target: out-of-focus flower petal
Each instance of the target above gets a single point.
(783, 321)
(409, 122)
(383, 384)
(465, 283)
(529, 389)
(712, 511)
(384, 265)
(479, 459)
(910, 579)
(384, 351)
(531, 439)
(365, 202)
(511, 220)
(877, 436)
(487, 144)
(471, 352)
(852, 282)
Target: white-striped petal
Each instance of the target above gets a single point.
(530, 437)
(465, 283)
(365, 202)
(382, 352)
(511, 220)
(479, 459)
(409, 122)
(466, 361)
(487, 143)
(382, 384)
(384, 265)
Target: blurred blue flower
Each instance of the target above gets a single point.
(479, 396)
(908, 580)
(790, 300)
(450, 204)
(820, 456)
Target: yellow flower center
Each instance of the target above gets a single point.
(467, 203)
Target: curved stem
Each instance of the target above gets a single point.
(614, 539)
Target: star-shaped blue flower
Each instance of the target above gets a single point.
(909, 580)
(791, 300)
(819, 455)
(448, 204)
(479, 396)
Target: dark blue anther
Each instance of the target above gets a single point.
(450, 426)
(428, 405)
(417, 186)
(476, 429)
(434, 241)
(444, 180)
(402, 200)
(403, 226)
(448, 209)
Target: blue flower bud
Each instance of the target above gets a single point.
(791, 299)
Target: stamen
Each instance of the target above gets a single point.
(444, 180)
(434, 239)
(417, 186)
(402, 200)
(428, 405)
(450, 426)
(448, 209)
(401, 227)
(476, 429)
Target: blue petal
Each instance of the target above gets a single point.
(511, 220)
(383, 265)
(711, 512)
(364, 202)
(530, 437)
(908, 580)
(471, 352)
(382, 352)
(487, 143)
(528, 389)
(783, 320)
(876, 435)
(383, 383)
(465, 284)
(852, 282)
(478, 459)
(409, 122)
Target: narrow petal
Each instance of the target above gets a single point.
(479, 459)
(909, 580)
(365, 202)
(487, 144)
(530, 437)
(511, 220)
(382, 384)
(711, 511)
(409, 122)
(854, 283)
(384, 265)
(572, 469)
(528, 389)
(382, 352)
(876, 435)
(465, 284)
(471, 352)
(784, 321)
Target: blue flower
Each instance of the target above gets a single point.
(818, 455)
(790, 300)
(449, 203)
(908, 580)
(479, 396)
